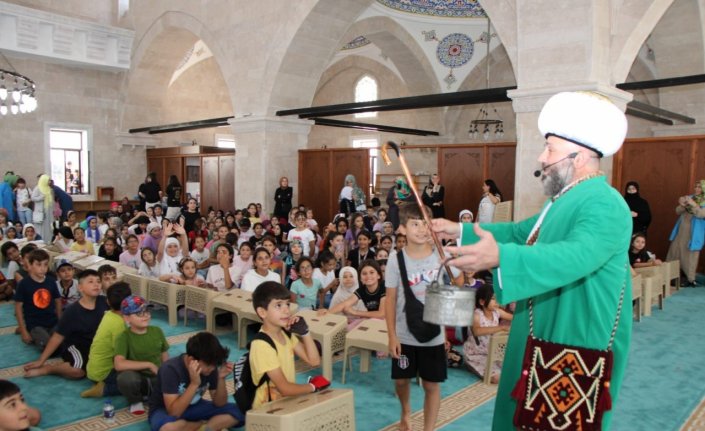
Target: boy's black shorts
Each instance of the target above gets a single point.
(428, 362)
(76, 356)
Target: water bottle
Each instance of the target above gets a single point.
(108, 412)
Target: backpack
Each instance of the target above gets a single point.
(245, 387)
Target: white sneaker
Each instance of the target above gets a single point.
(137, 408)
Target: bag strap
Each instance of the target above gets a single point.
(404, 276)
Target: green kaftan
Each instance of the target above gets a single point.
(575, 272)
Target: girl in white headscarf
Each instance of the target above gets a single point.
(171, 251)
(43, 215)
(346, 288)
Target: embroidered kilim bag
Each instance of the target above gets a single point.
(563, 387)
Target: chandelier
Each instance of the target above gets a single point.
(485, 118)
(16, 92)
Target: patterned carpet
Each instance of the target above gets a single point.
(668, 341)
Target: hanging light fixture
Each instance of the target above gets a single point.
(17, 92)
(488, 117)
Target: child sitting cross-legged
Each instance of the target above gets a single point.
(74, 333)
(139, 351)
(108, 276)
(271, 302)
(305, 290)
(67, 285)
(176, 401)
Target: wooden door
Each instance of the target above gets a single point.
(226, 182)
(665, 169)
(461, 170)
(209, 183)
(156, 165)
(315, 183)
(172, 166)
(501, 166)
(321, 176)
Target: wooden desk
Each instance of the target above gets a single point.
(329, 330)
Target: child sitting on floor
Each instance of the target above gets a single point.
(149, 267)
(67, 285)
(108, 276)
(74, 333)
(189, 275)
(100, 357)
(177, 402)
(305, 290)
(37, 301)
(80, 243)
(139, 352)
(485, 323)
(638, 256)
(260, 272)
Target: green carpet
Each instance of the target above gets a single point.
(664, 380)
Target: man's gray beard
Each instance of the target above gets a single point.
(554, 182)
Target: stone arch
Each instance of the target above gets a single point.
(156, 54)
(406, 54)
(309, 51)
(633, 32)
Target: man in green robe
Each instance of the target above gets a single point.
(575, 267)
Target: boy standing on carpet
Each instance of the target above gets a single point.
(176, 401)
(100, 358)
(75, 331)
(412, 357)
(37, 301)
(139, 352)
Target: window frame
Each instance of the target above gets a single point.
(84, 128)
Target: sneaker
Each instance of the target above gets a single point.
(137, 408)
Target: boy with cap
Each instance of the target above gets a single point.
(139, 352)
(176, 401)
(75, 331)
(66, 284)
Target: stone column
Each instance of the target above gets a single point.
(528, 192)
(266, 148)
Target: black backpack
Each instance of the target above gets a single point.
(245, 387)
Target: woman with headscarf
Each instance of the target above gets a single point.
(351, 198)
(641, 213)
(7, 197)
(400, 192)
(688, 236)
(43, 215)
(433, 195)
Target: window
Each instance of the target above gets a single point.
(366, 91)
(70, 161)
(372, 144)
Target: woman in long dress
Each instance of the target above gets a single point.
(43, 216)
(688, 236)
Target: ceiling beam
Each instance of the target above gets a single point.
(660, 112)
(178, 127)
(660, 83)
(647, 116)
(373, 127)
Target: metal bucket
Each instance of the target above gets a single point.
(449, 305)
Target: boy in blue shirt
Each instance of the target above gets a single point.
(37, 301)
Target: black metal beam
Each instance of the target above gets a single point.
(178, 127)
(649, 117)
(665, 82)
(634, 104)
(372, 127)
(490, 95)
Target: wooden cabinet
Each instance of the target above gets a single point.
(208, 173)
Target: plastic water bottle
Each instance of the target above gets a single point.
(108, 412)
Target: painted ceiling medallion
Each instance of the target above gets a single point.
(358, 42)
(440, 8)
(453, 51)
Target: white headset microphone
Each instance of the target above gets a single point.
(537, 172)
